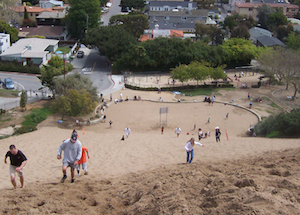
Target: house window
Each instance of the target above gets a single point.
(293, 10)
(183, 18)
(250, 9)
(166, 9)
(30, 14)
(166, 18)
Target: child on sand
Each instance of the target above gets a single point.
(190, 149)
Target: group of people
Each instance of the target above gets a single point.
(209, 100)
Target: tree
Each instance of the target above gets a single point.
(205, 4)
(216, 35)
(230, 22)
(25, 14)
(282, 32)
(263, 14)
(293, 41)
(111, 41)
(276, 19)
(10, 15)
(47, 77)
(238, 51)
(77, 82)
(136, 4)
(61, 105)
(56, 62)
(82, 16)
(199, 71)
(181, 73)
(201, 30)
(133, 23)
(23, 100)
(74, 103)
(4, 27)
(217, 73)
(240, 31)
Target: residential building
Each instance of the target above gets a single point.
(31, 50)
(49, 32)
(256, 32)
(32, 11)
(183, 20)
(50, 18)
(172, 5)
(152, 34)
(50, 3)
(251, 9)
(268, 41)
(4, 42)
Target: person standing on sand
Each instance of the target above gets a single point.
(200, 134)
(127, 131)
(218, 134)
(177, 131)
(17, 162)
(190, 149)
(110, 122)
(82, 161)
(72, 154)
(162, 129)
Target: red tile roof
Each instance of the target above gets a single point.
(31, 9)
(146, 37)
(176, 33)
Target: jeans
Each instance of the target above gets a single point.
(188, 155)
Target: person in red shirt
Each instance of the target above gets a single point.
(82, 161)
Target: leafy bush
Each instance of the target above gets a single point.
(33, 119)
(17, 67)
(281, 125)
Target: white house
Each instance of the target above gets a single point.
(171, 5)
(4, 42)
(35, 50)
(51, 3)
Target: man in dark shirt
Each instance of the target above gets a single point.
(17, 161)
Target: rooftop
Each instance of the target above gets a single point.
(172, 3)
(254, 5)
(37, 49)
(270, 41)
(51, 15)
(42, 30)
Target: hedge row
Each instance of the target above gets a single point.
(178, 88)
(16, 67)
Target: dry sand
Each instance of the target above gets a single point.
(147, 173)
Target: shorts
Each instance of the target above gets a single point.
(67, 164)
(12, 171)
(84, 166)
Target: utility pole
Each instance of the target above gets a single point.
(87, 22)
(64, 66)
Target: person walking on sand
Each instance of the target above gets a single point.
(82, 161)
(177, 131)
(127, 131)
(72, 154)
(218, 134)
(17, 162)
(190, 149)
(200, 134)
(110, 122)
(162, 129)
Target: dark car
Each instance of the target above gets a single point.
(125, 9)
(80, 54)
(8, 84)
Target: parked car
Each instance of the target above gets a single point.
(8, 84)
(80, 54)
(125, 9)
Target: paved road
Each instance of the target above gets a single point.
(114, 10)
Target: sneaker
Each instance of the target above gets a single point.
(63, 179)
(86, 173)
(72, 180)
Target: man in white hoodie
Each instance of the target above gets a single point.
(72, 154)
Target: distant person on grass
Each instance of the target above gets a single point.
(190, 149)
(72, 154)
(17, 162)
